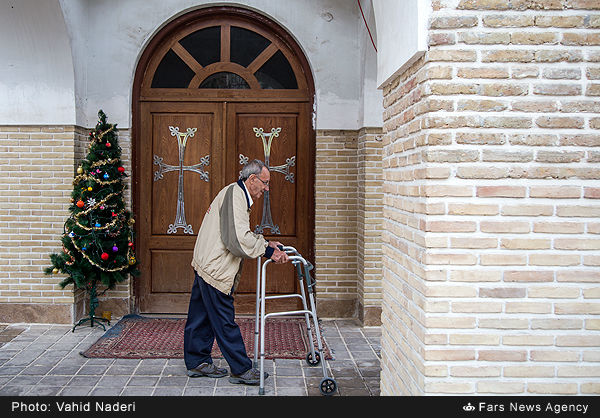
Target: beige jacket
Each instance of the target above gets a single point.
(225, 239)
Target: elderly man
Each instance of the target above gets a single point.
(223, 242)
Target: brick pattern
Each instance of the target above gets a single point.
(348, 223)
(36, 177)
(336, 221)
(369, 225)
(491, 280)
(38, 166)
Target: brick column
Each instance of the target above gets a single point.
(491, 280)
(369, 225)
(335, 223)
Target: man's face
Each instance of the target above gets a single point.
(257, 184)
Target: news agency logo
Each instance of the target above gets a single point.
(468, 407)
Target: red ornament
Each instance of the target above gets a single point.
(80, 203)
(121, 169)
(108, 145)
(104, 256)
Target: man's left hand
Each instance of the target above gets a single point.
(279, 257)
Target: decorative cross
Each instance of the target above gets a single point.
(267, 139)
(182, 138)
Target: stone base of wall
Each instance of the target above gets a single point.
(336, 308)
(117, 306)
(369, 316)
(36, 313)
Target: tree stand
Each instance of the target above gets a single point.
(93, 304)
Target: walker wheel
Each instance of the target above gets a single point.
(315, 361)
(328, 386)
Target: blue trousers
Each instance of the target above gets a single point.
(211, 316)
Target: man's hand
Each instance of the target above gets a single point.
(279, 257)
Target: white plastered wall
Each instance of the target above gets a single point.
(108, 38)
(401, 35)
(65, 59)
(370, 97)
(36, 69)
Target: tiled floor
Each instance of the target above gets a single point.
(44, 360)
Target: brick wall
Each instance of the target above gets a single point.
(491, 233)
(369, 225)
(37, 166)
(336, 222)
(36, 171)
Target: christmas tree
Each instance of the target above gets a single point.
(98, 235)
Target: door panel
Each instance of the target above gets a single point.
(286, 201)
(168, 264)
(181, 171)
(283, 147)
(196, 151)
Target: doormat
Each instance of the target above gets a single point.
(141, 337)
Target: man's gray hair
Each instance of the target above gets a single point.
(253, 167)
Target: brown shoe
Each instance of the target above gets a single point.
(207, 370)
(249, 377)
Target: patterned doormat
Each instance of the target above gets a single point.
(140, 337)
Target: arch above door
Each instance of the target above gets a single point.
(205, 88)
(211, 53)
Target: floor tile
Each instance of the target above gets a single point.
(45, 360)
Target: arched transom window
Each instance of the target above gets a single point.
(225, 54)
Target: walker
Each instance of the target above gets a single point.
(328, 386)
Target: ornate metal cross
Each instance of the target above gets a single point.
(267, 139)
(182, 138)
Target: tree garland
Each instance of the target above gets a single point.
(96, 264)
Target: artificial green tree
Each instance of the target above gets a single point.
(98, 235)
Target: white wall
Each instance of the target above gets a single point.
(65, 59)
(108, 37)
(401, 35)
(36, 67)
(371, 98)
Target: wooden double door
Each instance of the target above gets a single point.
(187, 152)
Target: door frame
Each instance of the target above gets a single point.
(139, 95)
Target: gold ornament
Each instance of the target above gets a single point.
(90, 189)
(54, 270)
(131, 260)
(79, 170)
